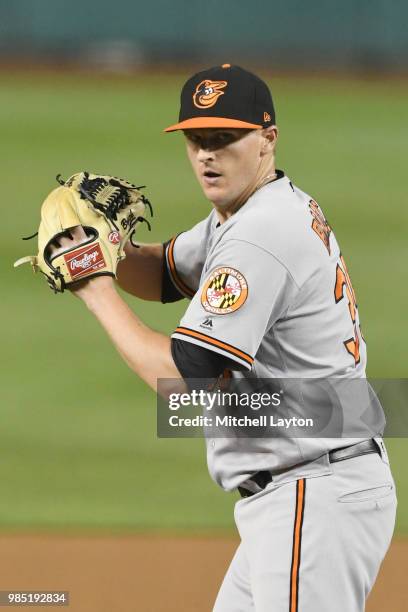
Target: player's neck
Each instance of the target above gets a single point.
(266, 174)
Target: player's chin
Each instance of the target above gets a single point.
(215, 193)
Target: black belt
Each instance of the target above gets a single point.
(262, 479)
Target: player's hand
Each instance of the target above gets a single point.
(64, 243)
(85, 288)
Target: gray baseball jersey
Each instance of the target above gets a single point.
(269, 289)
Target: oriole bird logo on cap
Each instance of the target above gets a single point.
(207, 93)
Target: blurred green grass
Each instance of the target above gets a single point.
(78, 441)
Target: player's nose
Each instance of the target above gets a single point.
(204, 154)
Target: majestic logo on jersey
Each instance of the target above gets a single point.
(207, 323)
(224, 291)
(207, 93)
(319, 224)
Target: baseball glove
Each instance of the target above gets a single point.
(108, 209)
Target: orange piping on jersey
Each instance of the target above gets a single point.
(181, 286)
(297, 541)
(226, 347)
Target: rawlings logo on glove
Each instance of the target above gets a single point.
(107, 209)
(85, 259)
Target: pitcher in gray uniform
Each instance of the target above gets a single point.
(270, 297)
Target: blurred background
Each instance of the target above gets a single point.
(358, 36)
(91, 85)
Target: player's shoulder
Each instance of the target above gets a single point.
(277, 205)
(288, 223)
(200, 232)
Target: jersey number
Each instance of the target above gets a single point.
(344, 286)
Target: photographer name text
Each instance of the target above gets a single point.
(234, 421)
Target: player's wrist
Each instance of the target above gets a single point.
(92, 291)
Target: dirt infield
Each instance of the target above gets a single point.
(148, 573)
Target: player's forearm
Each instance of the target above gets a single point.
(140, 274)
(146, 351)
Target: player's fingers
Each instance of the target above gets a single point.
(72, 237)
(78, 234)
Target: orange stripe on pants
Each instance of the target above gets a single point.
(297, 542)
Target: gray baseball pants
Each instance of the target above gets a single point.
(312, 544)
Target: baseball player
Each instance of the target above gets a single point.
(270, 297)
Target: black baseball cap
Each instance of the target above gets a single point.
(225, 97)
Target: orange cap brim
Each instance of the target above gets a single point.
(211, 122)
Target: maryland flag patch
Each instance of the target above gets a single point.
(224, 291)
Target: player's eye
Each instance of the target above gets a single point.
(224, 138)
(215, 141)
(193, 138)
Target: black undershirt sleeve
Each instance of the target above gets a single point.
(194, 361)
(169, 293)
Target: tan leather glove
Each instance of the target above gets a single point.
(108, 209)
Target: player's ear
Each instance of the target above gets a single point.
(270, 136)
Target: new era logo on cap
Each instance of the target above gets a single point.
(225, 96)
